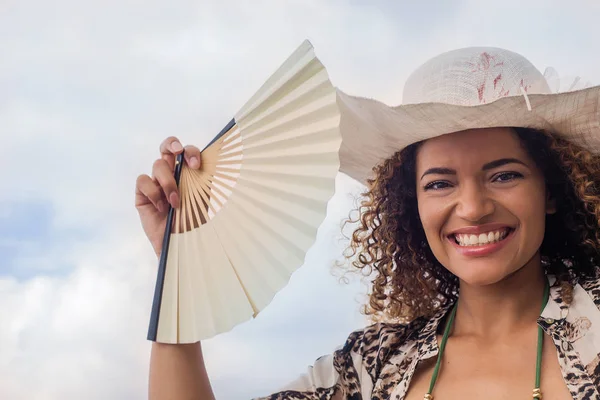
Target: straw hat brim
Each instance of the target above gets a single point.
(373, 131)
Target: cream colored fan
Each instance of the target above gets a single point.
(250, 214)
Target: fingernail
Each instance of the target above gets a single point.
(194, 162)
(176, 146)
(162, 206)
(174, 199)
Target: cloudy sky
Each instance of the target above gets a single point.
(89, 89)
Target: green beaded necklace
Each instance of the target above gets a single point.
(537, 393)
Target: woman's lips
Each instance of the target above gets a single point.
(481, 250)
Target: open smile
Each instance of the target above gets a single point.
(479, 242)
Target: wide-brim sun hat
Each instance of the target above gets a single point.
(467, 88)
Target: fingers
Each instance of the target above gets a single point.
(171, 146)
(162, 171)
(163, 175)
(148, 190)
(192, 156)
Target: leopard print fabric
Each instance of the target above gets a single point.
(378, 362)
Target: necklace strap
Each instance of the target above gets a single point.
(436, 370)
(540, 344)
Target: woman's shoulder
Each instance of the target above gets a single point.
(383, 335)
(353, 367)
(376, 344)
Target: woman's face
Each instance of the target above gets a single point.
(482, 202)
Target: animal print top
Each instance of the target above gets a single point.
(378, 362)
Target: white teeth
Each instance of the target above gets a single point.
(473, 239)
(483, 238)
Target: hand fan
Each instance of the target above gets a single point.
(248, 216)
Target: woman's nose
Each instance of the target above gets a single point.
(474, 203)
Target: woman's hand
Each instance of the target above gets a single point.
(153, 195)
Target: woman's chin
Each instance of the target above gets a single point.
(479, 278)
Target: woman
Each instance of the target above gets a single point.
(485, 246)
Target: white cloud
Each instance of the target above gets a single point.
(80, 333)
(89, 89)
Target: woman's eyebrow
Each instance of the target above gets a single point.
(501, 162)
(439, 171)
(488, 166)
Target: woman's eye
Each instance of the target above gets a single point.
(507, 176)
(436, 185)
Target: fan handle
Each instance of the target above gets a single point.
(162, 265)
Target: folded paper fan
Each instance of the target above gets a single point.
(249, 215)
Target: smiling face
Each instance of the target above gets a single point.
(482, 202)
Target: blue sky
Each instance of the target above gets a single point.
(87, 92)
(27, 237)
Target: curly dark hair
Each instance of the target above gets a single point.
(409, 282)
